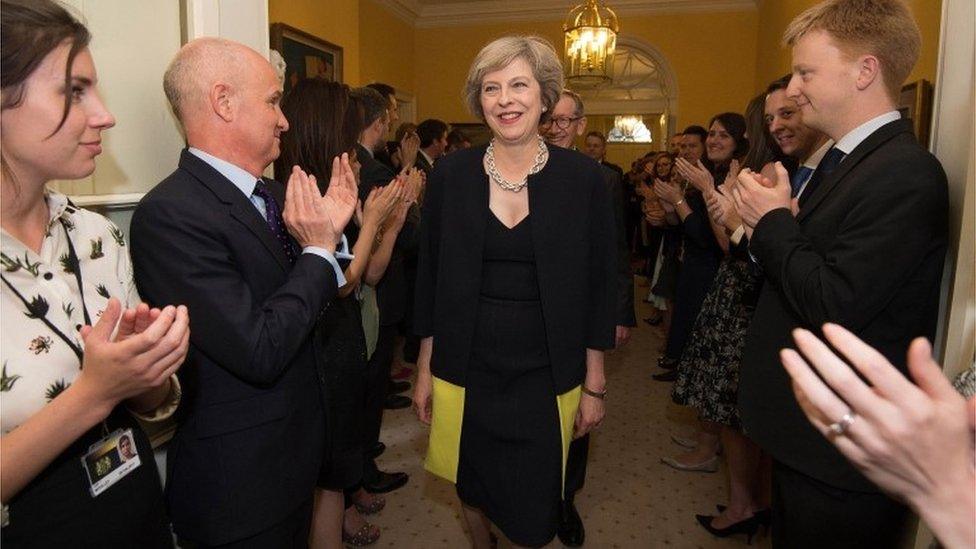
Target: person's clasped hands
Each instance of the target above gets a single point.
(314, 219)
(720, 205)
(915, 441)
(696, 175)
(130, 352)
(756, 195)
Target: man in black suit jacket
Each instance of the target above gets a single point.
(568, 121)
(433, 143)
(243, 463)
(865, 251)
(391, 292)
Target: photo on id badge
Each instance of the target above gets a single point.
(109, 460)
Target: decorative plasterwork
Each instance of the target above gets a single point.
(445, 14)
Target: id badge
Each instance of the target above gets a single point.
(110, 459)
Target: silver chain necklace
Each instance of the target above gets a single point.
(496, 177)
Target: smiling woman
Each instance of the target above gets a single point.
(68, 384)
(508, 387)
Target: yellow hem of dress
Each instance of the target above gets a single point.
(444, 446)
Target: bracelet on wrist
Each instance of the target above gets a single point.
(594, 394)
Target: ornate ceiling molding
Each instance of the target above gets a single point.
(449, 14)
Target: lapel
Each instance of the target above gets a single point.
(881, 136)
(241, 209)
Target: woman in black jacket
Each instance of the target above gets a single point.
(515, 301)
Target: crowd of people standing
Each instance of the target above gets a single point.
(266, 316)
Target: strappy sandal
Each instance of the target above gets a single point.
(375, 506)
(367, 535)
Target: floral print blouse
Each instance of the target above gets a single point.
(37, 363)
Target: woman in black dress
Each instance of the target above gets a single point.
(66, 387)
(705, 247)
(515, 301)
(325, 114)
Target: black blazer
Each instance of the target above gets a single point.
(625, 280)
(422, 164)
(575, 251)
(866, 252)
(249, 441)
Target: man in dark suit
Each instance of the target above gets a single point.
(433, 143)
(865, 251)
(568, 121)
(390, 294)
(595, 146)
(244, 461)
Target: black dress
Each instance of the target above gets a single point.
(341, 367)
(510, 457)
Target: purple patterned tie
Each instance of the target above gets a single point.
(274, 219)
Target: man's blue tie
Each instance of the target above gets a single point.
(827, 165)
(274, 219)
(799, 178)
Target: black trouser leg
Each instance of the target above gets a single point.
(579, 451)
(808, 513)
(377, 382)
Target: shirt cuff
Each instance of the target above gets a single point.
(737, 235)
(166, 409)
(342, 251)
(323, 253)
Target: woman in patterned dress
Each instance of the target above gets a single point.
(66, 384)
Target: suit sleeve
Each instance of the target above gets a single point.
(179, 259)
(427, 241)
(625, 280)
(696, 226)
(896, 225)
(603, 267)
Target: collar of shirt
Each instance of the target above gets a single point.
(427, 156)
(818, 155)
(369, 152)
(235, 174)
(854, 137)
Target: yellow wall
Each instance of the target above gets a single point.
(386, 45)
(336, 21)
(772, 61)
(712, 54)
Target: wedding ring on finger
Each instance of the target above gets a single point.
(841, 427)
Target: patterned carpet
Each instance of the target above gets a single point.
(630, 498)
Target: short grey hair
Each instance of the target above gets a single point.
(577, 102)
(197, 66)
(537, 52)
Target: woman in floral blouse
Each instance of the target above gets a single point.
(80, 354)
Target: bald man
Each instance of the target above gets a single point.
(257, 269)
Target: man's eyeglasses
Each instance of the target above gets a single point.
(563, 123)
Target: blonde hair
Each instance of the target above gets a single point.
(882, 28)
(536, 51)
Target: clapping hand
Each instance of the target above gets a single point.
(912, 440)
(696, 174)
(722, 209)
(409, 146)
(756, 195)
(667, 191)
(132, 362)
(382, 201)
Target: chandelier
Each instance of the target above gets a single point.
(591, 38)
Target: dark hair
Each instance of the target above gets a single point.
(762, 149)
(779, 84)
(374, 104)
(385, 90)
(456, 138)
(735, 124)
(403, 129)
(29, 31)
(597, 134)
(430, 130)
(657, 156)
(325, 122)
(697, 130)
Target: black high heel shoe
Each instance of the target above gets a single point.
(748, 527)
(765, 516)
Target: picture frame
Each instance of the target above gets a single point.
(915, 103)
(306, 55)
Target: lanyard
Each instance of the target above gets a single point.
(75, 265)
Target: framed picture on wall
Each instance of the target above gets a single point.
(306, 55)
(916, 103)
